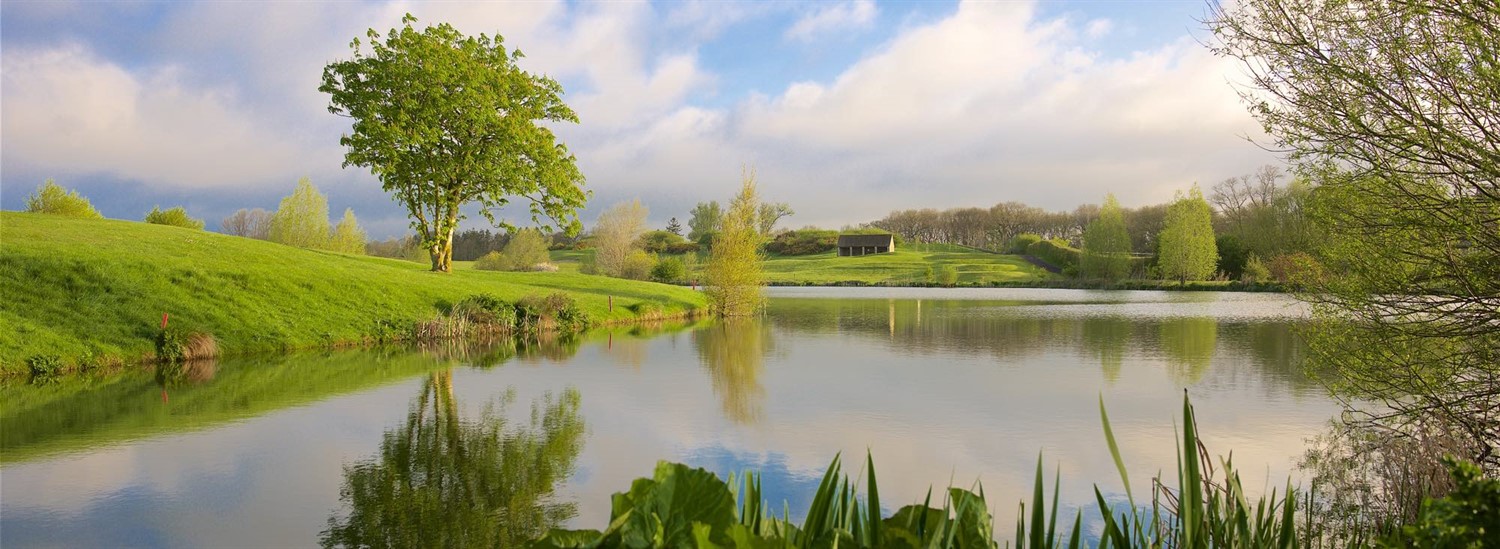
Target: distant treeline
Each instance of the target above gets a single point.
(1253, 215)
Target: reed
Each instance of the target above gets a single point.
(686, 507)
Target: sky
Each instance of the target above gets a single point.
(846, 110)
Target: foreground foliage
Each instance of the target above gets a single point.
(684, 507)
(1390, 108)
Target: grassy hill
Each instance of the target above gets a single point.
(84, 289)
(907, 265)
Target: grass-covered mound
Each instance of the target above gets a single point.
(917, 264)
(93, 291)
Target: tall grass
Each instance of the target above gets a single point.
(685, 507)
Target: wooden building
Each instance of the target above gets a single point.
(865, 244)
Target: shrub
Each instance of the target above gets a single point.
(1020, 243)
(527, 248)
(557, 308)
(946, 275)
(803, 242)
(493, 261)
(638, 265)
(52, 199)
(1255, 271)
(682, 248)
(44, 368)
(1296, 269)
(660, 241)
(1468, 517)
(176, 217)
(486, 310)
(668, 270)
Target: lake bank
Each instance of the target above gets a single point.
(93, 293)
(939, 384)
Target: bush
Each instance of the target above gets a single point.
(946, 275)
(682, 248)
(660, 241)
(176, 217)
(1468, 517)
(557, 308)
(44, 368)
(668, 270)
(1296, 269)
(493, 261)
(1021, 242)
(52, 199)
(1255, 271)
(526, 249)
(803, 242)
(486, 310)
(638, 265)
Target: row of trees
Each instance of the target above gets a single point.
(1252, 221)
(301, 220)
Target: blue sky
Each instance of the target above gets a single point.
(846, 109)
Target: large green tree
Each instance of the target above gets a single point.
(446, 120)
(1392, 108)
(1187, 248)
(705, 220)
(1106, 244)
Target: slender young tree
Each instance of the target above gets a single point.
(733, 276)
(615, 235)
(348, 237)
(302, 218)
(1106, 244)
(1188, 250)
(446, 120)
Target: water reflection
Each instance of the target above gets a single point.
(441, 480)
(1106, 339)
(1009, 331)
(1188, 345)
(733, 352)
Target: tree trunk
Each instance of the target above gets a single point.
(442, 254)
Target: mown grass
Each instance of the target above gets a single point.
(94, 291)
(917, 265)
(907, 265)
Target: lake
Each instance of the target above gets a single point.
(943, 386)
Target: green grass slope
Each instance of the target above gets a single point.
(907, 265)
(79, 288)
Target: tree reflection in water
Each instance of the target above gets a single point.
(1107, 338)
(443, 481)
(1188, 345)
(734, 353)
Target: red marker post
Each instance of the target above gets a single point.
(164, 321)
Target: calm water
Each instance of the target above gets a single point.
(943, 386)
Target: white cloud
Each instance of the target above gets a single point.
(1098, 28)
(855, 14)
(994, 104)
(69, 112)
